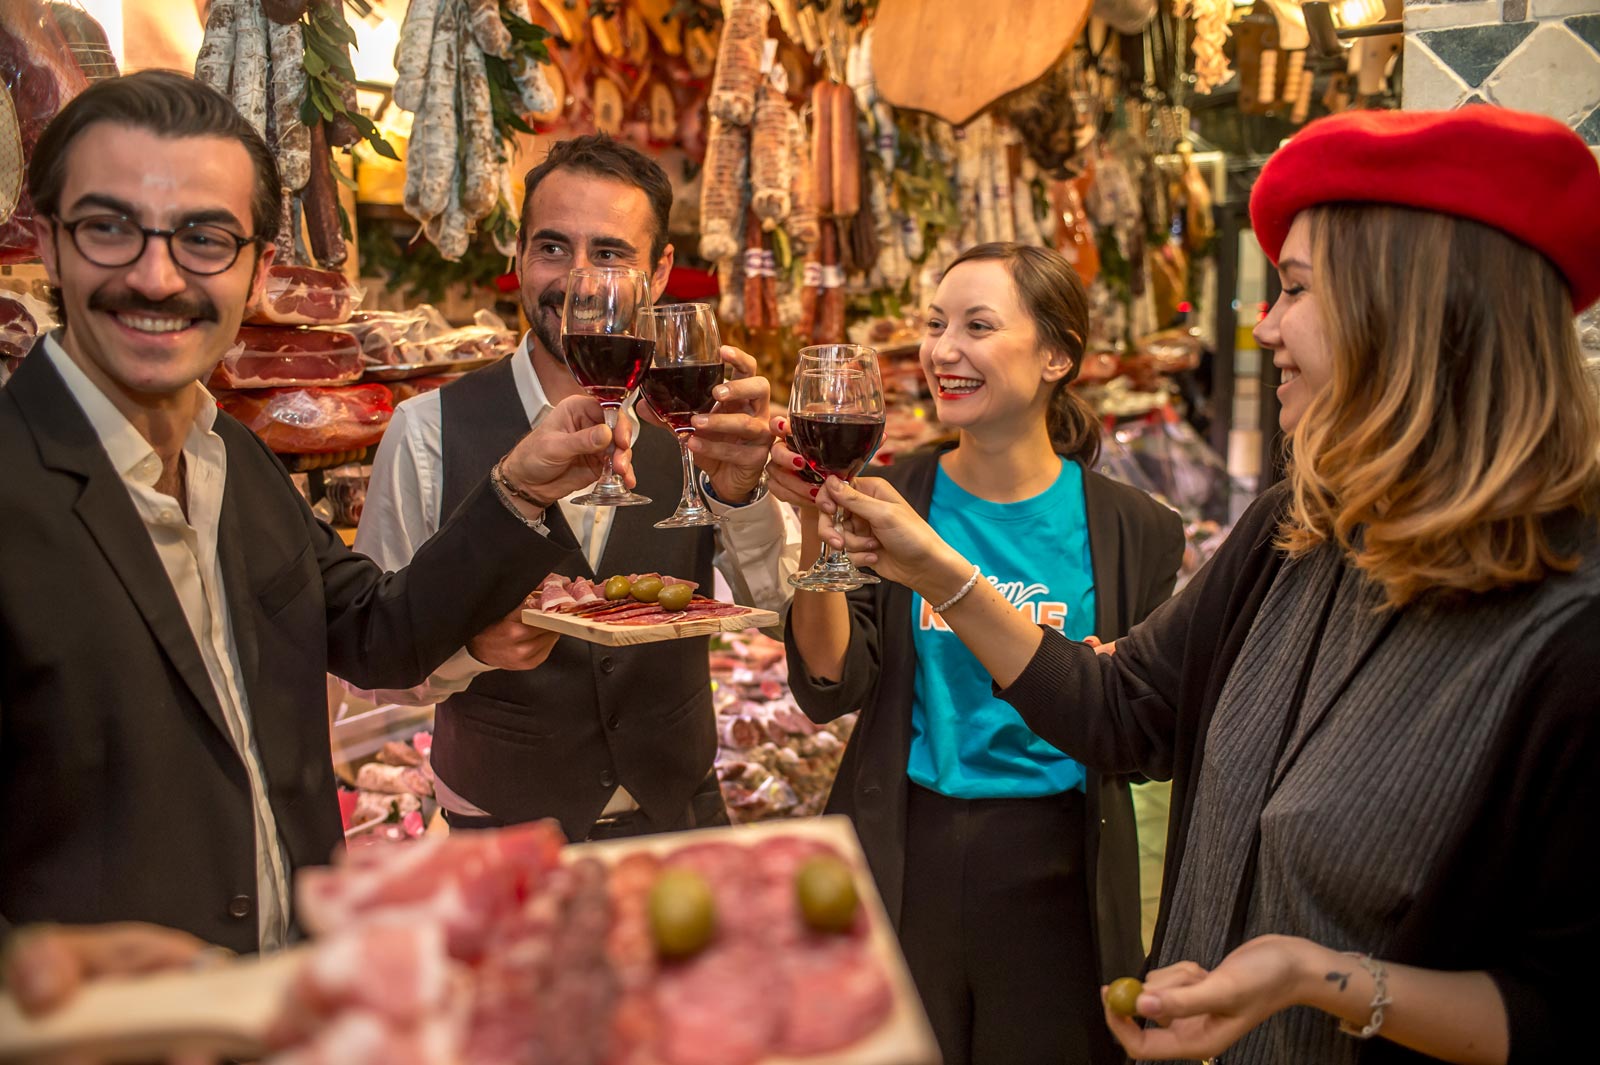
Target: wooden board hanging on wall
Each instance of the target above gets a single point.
(953, 58)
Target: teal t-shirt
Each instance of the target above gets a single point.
(965, 743)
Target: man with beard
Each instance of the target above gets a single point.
(169, 606)
(610, 741)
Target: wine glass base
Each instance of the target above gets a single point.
(832, 582)
(688, 519)
(623, 498)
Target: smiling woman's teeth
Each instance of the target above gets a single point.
(154, 325)
(1289, 375)
(958, 384)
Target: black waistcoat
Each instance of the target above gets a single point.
(555, 741)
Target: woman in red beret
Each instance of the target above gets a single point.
(1375, 703)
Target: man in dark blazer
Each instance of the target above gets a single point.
(168, 603)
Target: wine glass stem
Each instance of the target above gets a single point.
(691, 484)
(836, 557)
(610, 478)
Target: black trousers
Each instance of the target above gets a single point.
(705, 810)
(997, 930)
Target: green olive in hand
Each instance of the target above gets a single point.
(827, 893)
(1123, 996)
(646, 589)
(683, 915)
(674, 597)
(618, 587)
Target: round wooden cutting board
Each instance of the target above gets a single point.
(953, 58)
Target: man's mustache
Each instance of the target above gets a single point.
(183, 305)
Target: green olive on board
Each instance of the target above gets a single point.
(674, 597)
(683, 915)
(827, 892)
(646, 589)
(618, 587)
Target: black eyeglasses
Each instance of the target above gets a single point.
(111, 240)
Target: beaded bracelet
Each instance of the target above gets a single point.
(972, 582)
(1380, 996)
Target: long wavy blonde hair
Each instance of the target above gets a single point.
(1459, 417)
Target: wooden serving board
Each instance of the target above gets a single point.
(625, 635)
(953, 58)
(225, 1011)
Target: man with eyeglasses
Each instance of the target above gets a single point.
(169, 606)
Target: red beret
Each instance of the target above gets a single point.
(1526, 175)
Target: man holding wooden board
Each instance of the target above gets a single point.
(169, 606)
(611, 741)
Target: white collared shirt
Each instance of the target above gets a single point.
(758, 546)
(188, 551)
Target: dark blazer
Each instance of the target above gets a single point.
(123, 797)
(1136, 545)
(557, 740)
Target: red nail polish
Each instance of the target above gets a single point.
(813, 493)
(800, 464)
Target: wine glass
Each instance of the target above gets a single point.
(835, 424)
(678, 385)
(607, 339)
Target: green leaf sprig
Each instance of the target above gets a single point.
(328, 38)
(505, 99)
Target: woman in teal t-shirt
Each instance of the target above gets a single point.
(1009, 870)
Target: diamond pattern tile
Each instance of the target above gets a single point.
(1475, 98)
(1587, 27)
(1553, 73)
(1474, 52)
(1434, 14)
(1428, 84)
(1589, 128)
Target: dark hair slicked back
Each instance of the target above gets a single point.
(167, 104)
(604, 157)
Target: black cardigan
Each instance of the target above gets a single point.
(1517, 898)
(1136, 545)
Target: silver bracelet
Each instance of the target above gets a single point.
(503, 492)
(1380, 996)
(972, 582)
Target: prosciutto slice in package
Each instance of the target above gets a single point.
(300, 295)
(276, 357)
(310, 421)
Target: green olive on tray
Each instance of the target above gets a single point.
(674, 597)
(646, 589)
(618, 587)
(826, 889)
(683, 915)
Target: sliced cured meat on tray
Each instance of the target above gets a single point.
(634, 608)
(750, 945)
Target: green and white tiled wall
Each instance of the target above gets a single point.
(1532, 55)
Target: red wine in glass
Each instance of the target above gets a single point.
(607, 365)
(836, 444)
(677, 393)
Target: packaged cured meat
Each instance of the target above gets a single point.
(722, 190)
(310, 421)
(273, 357)
(301, 295)
(771, 157)
(38, 75)
(738, 71)
(23, 319)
